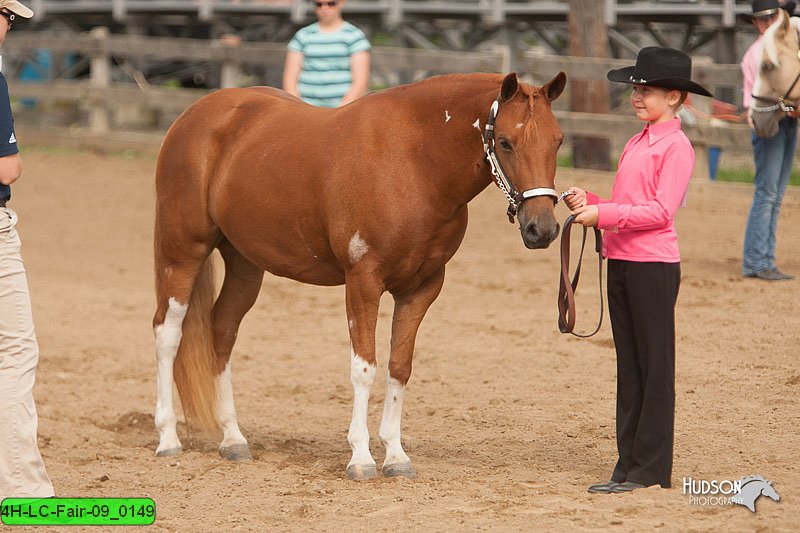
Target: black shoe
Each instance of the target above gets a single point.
(602, 488)
(628, 486)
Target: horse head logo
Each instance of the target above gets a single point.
(752, 488)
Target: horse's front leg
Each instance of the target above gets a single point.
(363, 293)
(409, 310)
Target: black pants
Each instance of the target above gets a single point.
(641, 302)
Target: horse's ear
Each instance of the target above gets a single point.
(784, 24)
(555, 87)
(509, 88)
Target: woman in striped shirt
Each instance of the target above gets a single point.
(328, 62)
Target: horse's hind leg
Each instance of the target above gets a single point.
(238, 294)
(174, 283)
(409, 310)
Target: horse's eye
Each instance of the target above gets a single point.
(766, 67)
(505, 145)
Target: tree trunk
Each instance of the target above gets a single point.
(588, 38)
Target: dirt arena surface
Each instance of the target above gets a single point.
(506, 420)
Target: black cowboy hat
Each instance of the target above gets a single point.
(765, 8)
(657, 66)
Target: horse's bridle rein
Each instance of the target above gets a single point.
(780, 103)
(514, 197)
(567, 288)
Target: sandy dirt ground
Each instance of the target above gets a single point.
(507, 421)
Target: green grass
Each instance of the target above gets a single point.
(745, 175)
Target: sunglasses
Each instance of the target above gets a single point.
(331, 3)
(10, 16)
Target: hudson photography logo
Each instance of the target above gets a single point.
(744, 491)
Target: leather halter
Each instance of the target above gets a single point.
(514, 197)
(567, 288)
(780, 103)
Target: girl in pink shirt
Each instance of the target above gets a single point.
(641, 245)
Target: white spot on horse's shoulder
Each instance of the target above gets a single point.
(519, 125)
(357, 249)
(477, 124)
(351, 324)
(447, 116)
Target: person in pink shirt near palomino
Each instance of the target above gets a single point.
(644, 271)
(773, 159)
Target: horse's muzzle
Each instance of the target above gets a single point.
(538, 235)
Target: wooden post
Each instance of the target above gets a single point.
(588, 38)
(229, 71)
(100, 78)
(119, 10)
(703, 106)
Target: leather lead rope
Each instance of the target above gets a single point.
(567, 288)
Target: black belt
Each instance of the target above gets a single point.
(3, 202)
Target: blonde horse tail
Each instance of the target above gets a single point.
(195, 368)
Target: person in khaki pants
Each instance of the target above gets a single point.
(22, 472)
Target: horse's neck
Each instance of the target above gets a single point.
(454, 113)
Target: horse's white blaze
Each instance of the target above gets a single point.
(477, 124)
(168, 337)
(226, 412)
(447, 116)
(362, 375)
(520, 124)
(357, 249)
(390, 423)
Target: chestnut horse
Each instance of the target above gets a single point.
(776, 89)
(372, 195)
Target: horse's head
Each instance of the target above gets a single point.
(527, 138)
(777, 76)
(769, 491)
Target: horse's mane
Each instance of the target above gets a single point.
(748, 479)
(454, 82)
(451, 81)
(770, 49)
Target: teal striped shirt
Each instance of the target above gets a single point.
(326, 77)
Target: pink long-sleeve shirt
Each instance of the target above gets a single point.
(749, 67)
(651, 183)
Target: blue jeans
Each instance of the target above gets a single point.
(773, 158)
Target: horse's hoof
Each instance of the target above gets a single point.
(236, 452)
(169, 453)
(399, 469)
(361, 472)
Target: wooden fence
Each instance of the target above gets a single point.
(101, 96)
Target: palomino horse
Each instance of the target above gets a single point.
(373, 195)
(776, 90)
